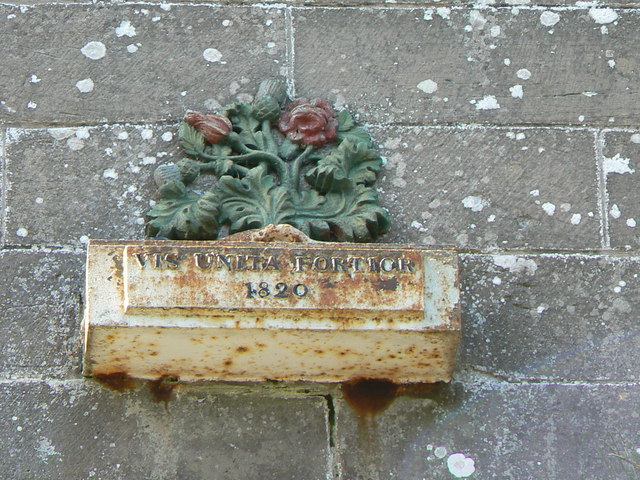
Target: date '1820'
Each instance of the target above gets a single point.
(279, 290)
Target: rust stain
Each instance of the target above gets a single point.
(162, 388)
(369, 396)
(116, 381)
(242, 349)
(390, 284)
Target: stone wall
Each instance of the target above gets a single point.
(510, 129)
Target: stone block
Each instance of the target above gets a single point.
(490, 187)
(621, 169)
(569, 317)
(69, 184)
(40, 319)
(81, 64)
(445, 65)
(76, 429)
(496, 430)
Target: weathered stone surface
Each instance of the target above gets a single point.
(2, 189)
(115, 62)
(571, 317)
(68, 184)
(40, 314)
(479, 187)
(77, 429)
(459, 65)
(621, 167)
(523, 432)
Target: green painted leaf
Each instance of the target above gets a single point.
(288, 149)
(253, 202)
(352, 215)
(352, 161)
(356, 134)
(190, 217)
(218, 149)
(345, 121)
(191, 140)
(244, 123)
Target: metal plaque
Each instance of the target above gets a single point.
(254, 311)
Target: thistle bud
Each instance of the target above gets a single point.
(213, 127)
(274, 88)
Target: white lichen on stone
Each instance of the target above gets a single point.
(428, 86)
(476, 21)
(125, 29)
(523, 74)
(22, 232)
(45, 449)
(615, 211)
(75, 143)
(576, 218)
(474, 203)
(631, 222)
(603, 15)
(94, 50)
(488, 102)
(85, 86)
(516, 264)
(460, 466)
(440, 452)
(516, 91)
(549, 208)
(549, 19)
(617, 164)
(110, 173)
(212, 55)
(444, 12)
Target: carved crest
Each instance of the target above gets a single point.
(303, 165)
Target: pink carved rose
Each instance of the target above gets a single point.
(213, 127)
(309, 123)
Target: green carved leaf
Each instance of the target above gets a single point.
(190, 217)
(244, 123)
(218, 150)
(347, 129)
(357, 134)
(352, 161)
(345, 121)
(191, 140)
(288, 149)
(352, 215)
(253, 202)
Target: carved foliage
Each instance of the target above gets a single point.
(315, 173)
